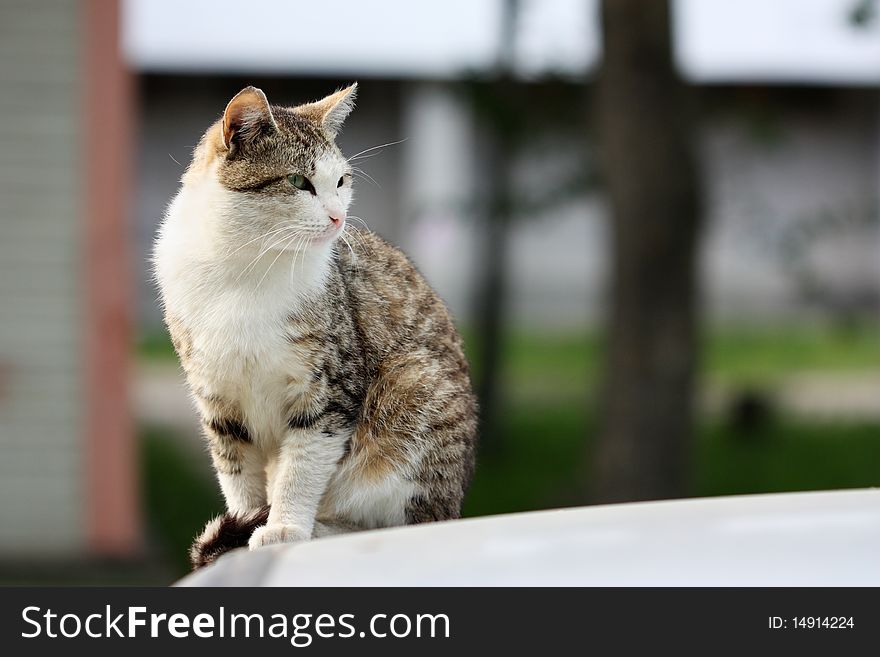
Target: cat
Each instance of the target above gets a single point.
(331, 382)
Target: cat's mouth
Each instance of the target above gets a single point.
(330, 233)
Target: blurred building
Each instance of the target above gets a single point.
(790, 144)
(68, 484)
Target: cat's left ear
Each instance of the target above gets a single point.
(246, 118)
(330, 112)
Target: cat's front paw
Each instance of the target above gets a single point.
(276, 533)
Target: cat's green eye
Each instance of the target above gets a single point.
(300, 182)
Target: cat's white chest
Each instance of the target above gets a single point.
(240, 354)
(239, 349)
(234, 309)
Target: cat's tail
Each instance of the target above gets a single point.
(224, 533)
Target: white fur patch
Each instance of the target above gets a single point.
(235, 305)
(368, 503)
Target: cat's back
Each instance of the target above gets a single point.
(393, 302)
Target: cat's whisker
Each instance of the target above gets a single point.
(358, 240)
(355, 231)
(366, 157)
(361, 246)
(353, 256)
(301, 252)
(373, 148)
(272, 264)
(250, 264)
(357, 171)
(288, 225)
(296, 250)
(253, 262)
(355, 218)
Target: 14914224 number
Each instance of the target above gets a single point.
(822, 622)
(811, 623)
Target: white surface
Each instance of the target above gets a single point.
(797, 539)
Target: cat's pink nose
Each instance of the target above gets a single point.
(337, 217)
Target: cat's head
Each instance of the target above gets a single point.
(279, 170)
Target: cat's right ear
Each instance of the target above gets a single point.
(247, 117)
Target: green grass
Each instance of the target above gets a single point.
(178, 496)
(734, 355)
(788, 456)
(155, 346)
(765, 355)
(545, 460)
(541, 463)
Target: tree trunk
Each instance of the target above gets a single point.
(649, 170)
(490, 298)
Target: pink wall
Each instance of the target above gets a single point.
(113, 506)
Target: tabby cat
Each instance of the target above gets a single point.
(329, 377)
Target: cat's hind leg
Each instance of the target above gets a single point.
(418, 429)
(324, 528)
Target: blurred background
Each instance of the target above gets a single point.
(655, 222)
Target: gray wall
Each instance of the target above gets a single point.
(792, 194)
(41, 363)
